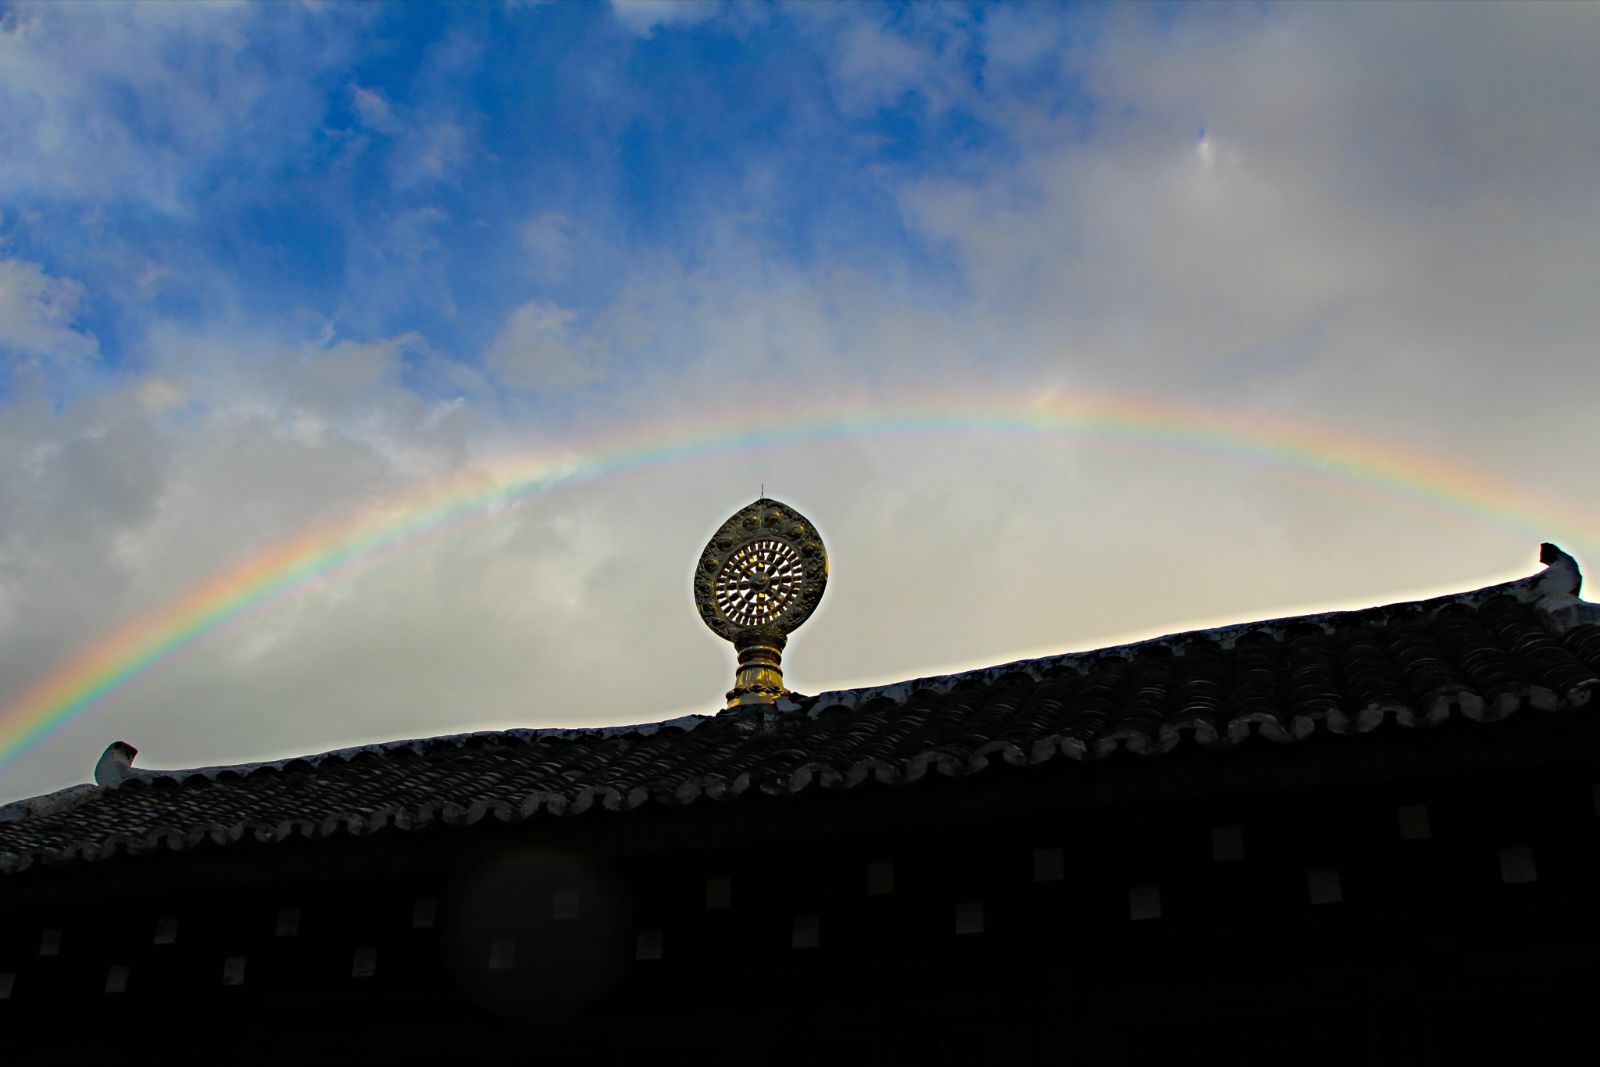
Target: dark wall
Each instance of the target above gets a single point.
(1002, 929)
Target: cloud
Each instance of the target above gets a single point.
(430, 145)
(374, 110)
(157, 396)
(1334, 219)
(538, 348)
(434, 152)
(644, 17)
(1371, 220)
(875, 64)
(39, 314)
(139, 102)
(548, 238)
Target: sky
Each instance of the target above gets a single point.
(458, 329)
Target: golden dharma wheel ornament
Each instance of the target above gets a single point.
(760, 576)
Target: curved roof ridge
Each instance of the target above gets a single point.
(48, 803)
(74, 795)
(1553, 589)
(1536, 646)
(419, 745)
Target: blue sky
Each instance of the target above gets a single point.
(262, 266)
(360, 183)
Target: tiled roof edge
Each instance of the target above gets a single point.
(1441, 706)
(420, 745)
(74, 795)
(48, 804)
(1553, 590)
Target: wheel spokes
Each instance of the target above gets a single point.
(759, 581)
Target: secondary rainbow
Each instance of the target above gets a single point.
(328, 552)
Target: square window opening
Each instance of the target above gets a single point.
(1323, 886)
(1049, 864)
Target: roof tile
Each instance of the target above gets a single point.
(1481, 655)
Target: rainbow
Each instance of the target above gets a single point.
(328, 552)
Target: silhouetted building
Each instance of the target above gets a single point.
(1358, 837)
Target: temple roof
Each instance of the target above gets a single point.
(1480, 655)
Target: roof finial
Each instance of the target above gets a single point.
(114, 764)
(760, 576)
(1561, 575)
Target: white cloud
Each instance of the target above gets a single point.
(1375, 233)
(374, 110)
(878, 55)
(538, 348)
(134, 102)
(157, 396)
(433, 152)
(1370, 227)
(39, 314)
(644, 17)
(548, 238)
(430, 145)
